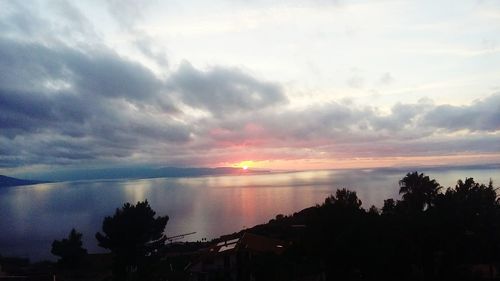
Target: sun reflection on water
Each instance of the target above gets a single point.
(211, 206)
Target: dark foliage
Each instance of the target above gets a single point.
(419, 191)
(135, 237)
(344, 199)
(69, 250)
(427, 235)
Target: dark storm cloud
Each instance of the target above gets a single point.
(223, 91)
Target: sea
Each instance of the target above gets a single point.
(32, 217)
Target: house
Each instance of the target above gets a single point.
(235, 259)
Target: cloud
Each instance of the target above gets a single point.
(349, 130)
(402, 116)
(65, 105)
(128, 12)
(72, 104)
(28, 22)
(356, 82)
(386, 78)
(482, 115)
(61, 104)
(224, 91)
(66, 100)
(146, 46)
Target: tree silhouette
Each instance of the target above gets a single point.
(469, 202)
(419, 191)
(344, 199)
(69, 250)
(477, 195)
(389, 207)
(135, 237)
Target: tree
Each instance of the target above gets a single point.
(374, 211)
(469, 200)
(344, 199)
(135, 237)
(418, 190)
(69, 250)
(476, 194)
(389, 207)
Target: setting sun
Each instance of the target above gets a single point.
(245, 165)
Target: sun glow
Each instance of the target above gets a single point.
(245, 165)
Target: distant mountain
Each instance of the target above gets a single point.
(137, 173)
(8, 181)
(193, 172)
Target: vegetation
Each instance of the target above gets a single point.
(69, 250)
(419, 192)
(135, 237)
(428, 234)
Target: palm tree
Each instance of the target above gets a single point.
(419, 191)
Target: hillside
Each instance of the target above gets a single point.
(8, 181)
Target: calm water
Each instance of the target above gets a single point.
(31, 217)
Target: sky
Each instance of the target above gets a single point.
(265, 84)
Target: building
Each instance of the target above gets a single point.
(236, 259)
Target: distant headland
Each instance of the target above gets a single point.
(135, 172)
(9, 181)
